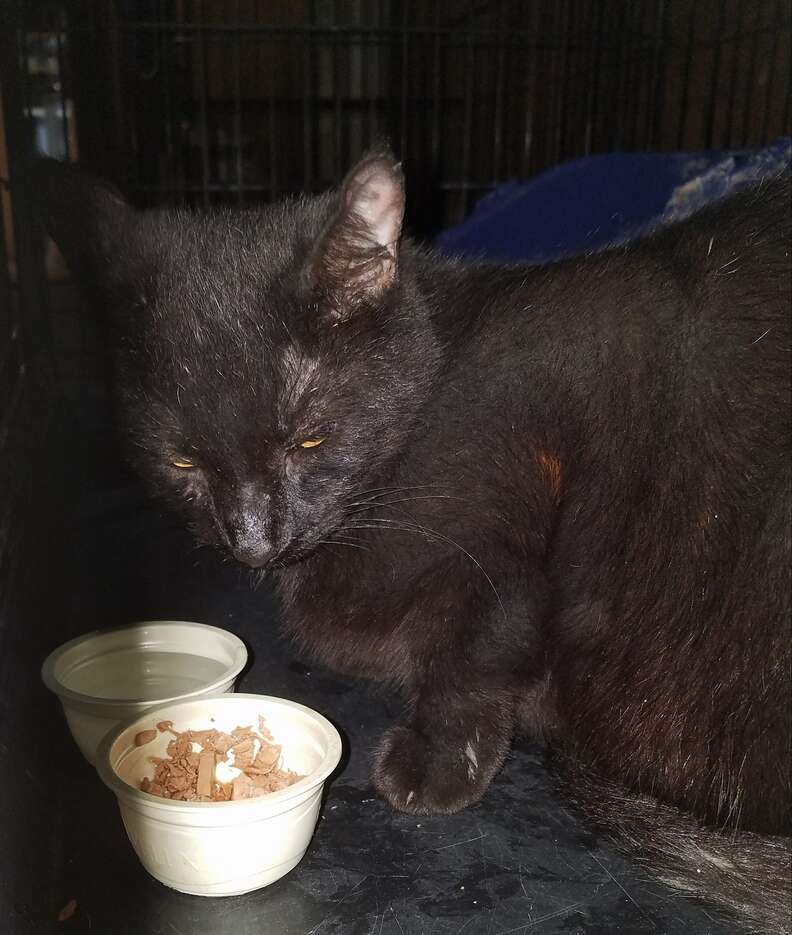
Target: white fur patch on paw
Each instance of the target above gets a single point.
(472, 766)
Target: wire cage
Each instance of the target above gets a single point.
(244, 100)
(210, 102)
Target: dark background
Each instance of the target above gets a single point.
(241, 101)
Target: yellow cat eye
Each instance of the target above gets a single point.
(182, 463)
(311, 442)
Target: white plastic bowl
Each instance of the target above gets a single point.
(109, 676)
(222, 848)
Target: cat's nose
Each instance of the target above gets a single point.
(248, 529)
(256, 557)
(250, 544)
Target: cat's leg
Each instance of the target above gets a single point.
(481, 655)
(446, 757)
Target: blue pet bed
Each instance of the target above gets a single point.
(588, 204)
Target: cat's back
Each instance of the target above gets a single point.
(732, 259)
(732, 264)
(756, 222)
(728, 263)
(688, 327)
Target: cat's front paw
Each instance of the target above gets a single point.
(428, 776)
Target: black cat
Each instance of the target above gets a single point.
(552, 500)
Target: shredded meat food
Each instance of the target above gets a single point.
(189, 774)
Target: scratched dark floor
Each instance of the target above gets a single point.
(518, 862)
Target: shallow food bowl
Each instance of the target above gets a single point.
(110, 676)
(222, 848)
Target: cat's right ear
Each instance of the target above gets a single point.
(85, 217)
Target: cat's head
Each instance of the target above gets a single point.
(270, 362)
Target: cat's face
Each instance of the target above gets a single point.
(270, 361)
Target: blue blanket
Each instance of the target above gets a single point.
(588, 204)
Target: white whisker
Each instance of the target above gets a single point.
(352, 545)
(376, 493)
(373, 522)
(362, 507)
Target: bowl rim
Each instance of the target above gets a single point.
(239, 650)
(136, 797)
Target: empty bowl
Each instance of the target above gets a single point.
(109, 676)
(221, 848)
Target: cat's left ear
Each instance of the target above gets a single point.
(357, 256)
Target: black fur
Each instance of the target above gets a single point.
(551, 499)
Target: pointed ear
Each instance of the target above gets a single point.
(356, 258)
(85, 217)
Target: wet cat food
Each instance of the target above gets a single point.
(214, 766)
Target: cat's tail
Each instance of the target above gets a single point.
(749, 875)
